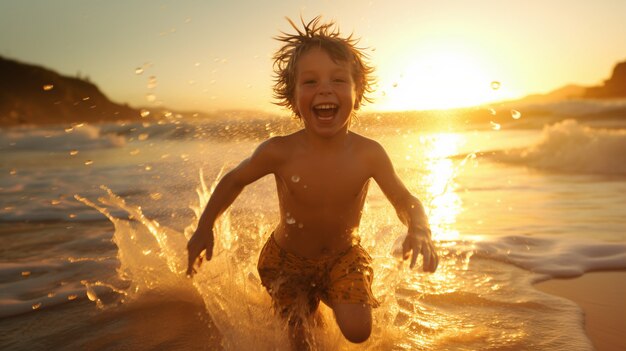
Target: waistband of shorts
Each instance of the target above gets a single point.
(299, 258)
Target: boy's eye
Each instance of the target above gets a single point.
(309, 81)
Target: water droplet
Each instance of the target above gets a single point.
(295, 178)
(36, 305)
(13, 171)
(134, 152)
(495, 85)
(48, 87)
(51, 294)
(146, 252)
(197, 64)
(72, 215)
(516, 114)
(55, 202)
(148, 168)
(156, 196)
(70, 129)
(144, 113)
(91, 295)
(143, 136)
(495, 126)
(300, 225)
(139, 70)
(492, 111)
(86, 98)
(73, 152)
(152, 82)
(290, 220)
(313, 284)
(72, 297)
(395, 85)
(25, 273)
(88, 162)
(151, 97)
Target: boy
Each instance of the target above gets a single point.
(322, 174)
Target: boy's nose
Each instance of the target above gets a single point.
(325, 88)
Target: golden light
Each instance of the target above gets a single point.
(439, 79)
(445, 204)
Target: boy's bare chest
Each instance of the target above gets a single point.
(337, 178)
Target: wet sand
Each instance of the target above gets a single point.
(602, 296)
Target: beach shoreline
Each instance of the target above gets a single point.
(601, 297)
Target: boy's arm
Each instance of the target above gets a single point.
(409, 209)
(263, 161)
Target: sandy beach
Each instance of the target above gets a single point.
(601, 295)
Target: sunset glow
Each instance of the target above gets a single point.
(439, 80)
(208, 56)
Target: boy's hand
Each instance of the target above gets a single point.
(200, 241)
(420, 243)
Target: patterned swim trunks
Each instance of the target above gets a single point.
(297, 284)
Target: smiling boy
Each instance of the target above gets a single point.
(322, 174)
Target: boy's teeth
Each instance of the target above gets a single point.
(325, 110)
(325, 106)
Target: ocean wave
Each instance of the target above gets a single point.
(573, 147)
(82, 137)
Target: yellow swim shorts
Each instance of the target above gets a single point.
(296, 282)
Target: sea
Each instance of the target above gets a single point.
(95, 217)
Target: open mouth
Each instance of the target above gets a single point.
(325, 112)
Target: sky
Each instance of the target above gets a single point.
(216, 55)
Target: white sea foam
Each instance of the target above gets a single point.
(573, 147)
(553, 257)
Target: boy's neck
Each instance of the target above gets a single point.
(336, 141)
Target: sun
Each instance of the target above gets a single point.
(438, 80)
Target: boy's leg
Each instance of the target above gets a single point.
(350, 294)
(354, 320)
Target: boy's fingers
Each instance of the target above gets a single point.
(190, 262)
(209, 252)
(416, 252)
(427, 259)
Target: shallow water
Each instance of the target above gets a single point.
(503, 217)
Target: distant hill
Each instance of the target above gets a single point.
(34, 95)
(567, 92)
(612, 88)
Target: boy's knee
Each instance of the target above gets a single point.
(357, 334)
(355, 321)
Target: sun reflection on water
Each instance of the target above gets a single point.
(443, 203)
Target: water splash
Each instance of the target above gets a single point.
(516, 114)
(418, 311)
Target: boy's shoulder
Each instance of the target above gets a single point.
(366, 144)
(282, 141)
(278, 147)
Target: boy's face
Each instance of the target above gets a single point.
(324, 94)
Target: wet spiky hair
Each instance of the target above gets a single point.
(324, 36)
